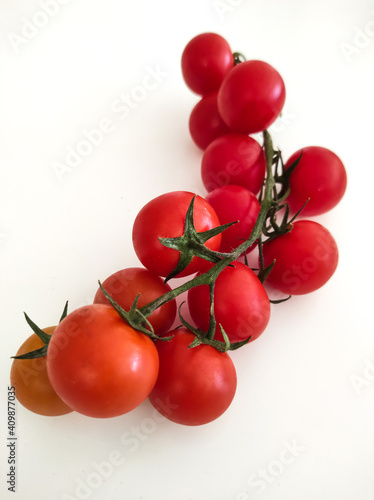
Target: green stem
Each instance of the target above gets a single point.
(210, 276)
(202, 279)
(260, 255)
(212, 319)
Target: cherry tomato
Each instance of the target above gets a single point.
(251, 97)
(164, 217)
(195, 386)
(98, 364)
(206, 60)
(234, 203)
(241, 304)
(320, 176)
(233, 159)
(205, 123)
(30, 380)
(125, 285)
(305, 258)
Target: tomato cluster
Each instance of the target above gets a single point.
(104, 359)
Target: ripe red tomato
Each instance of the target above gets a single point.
(206, 60)
(320, 175)
(234, 203)
(125, 285)
(233, 159)
(98, 364)
(164, 217)
(205, 123)
(251, 97)
(305, 258)
(30, 380)
(241, 304)
(195, 386)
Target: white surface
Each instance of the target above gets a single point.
(59, 236)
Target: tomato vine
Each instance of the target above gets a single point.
(269, 203)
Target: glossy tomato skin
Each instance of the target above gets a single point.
(251, 97)
(241, 304)
(195, 386)
(205, 123)
(125, 285)
(233, 159)
(305, 258)
(235, 203)
(30, 379)
(206, 60)
(164, 217)
(320, 176)
(99, 365)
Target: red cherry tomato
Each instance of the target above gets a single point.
(234, 203)
(251, 97)
(233, 159)
(241, 304)
(195, 386)
(206, 60)
(305, 258)
(98, 364)
(125, 285)
(320, 176)
(205, 123)
(164, 217)
(30, 379)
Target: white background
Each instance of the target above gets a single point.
(307, 384)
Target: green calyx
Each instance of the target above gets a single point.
(282, 175)
(202, 337)
(44, 337)
(272, 228)
(192, 243)
(134, 317)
